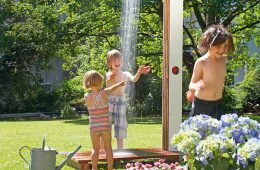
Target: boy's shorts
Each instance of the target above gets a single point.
(211, 108)
(117, 110)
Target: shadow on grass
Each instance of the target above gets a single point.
(85, 121)
(145, 120)
(77, 121)
(132, 120)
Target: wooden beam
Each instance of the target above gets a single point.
(165, 83)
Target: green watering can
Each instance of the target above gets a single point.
(45, 158)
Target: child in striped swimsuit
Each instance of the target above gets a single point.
(99, 121)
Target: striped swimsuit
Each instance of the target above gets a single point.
(98, 116)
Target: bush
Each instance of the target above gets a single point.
(249, 91)
(68, 112)
(231, 143)
(68, 92)
(30, 98)
(148, 99)
(231, 102)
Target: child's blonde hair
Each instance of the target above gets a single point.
(216, 35)
(111, 55)
(92, 78)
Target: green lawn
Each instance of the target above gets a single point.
(65, 136)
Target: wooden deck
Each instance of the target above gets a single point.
(81, 160)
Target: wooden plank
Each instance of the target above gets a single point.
(165, 82)
(82, 159)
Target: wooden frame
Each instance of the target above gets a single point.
(165, 83)
(172, 61)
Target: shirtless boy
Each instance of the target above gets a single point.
(117, 104)
(207, 81)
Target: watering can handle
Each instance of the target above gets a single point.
(20, 152)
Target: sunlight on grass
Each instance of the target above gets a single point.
(66, 136)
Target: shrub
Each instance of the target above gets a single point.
(249, 91)
(68, 112)
(231, 143)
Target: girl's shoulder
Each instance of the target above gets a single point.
(86, 96)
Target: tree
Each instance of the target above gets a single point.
(81, 32)
(242, 18)
(27, 42)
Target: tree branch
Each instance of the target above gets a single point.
(245, 27)
(236, 12)
(198, 15)
(192, 40)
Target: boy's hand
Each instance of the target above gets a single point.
(200, 85)
(190, 95)
(110, 76)
(122, 83)
(144, 69)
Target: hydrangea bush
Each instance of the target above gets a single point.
(230, 143)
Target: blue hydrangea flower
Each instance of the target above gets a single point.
(206, 138)
(185, 142)
(249, 151)
(238, 136)
(228, 119)
(214, 146)
(203, 124)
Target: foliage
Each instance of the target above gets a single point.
(147, 100)
(27, 42)
(248, 91)
(69, 92)
(231, 102)
(81, 32)
(39, 99)
(30, 98)
(68, 112)
(232, 144)
(90, 45)
(244, 96)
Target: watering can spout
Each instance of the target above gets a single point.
(67, 159)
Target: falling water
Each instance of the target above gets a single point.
(128, 35)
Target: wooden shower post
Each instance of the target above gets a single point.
(172, 70)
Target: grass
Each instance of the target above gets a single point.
(66, 136)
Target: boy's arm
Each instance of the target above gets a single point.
(142, 70)
(115, 86)
(196, 83)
